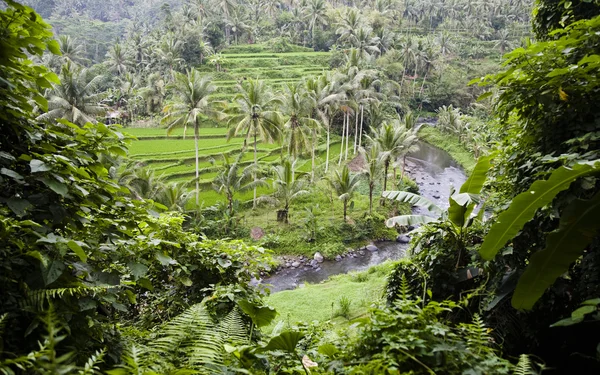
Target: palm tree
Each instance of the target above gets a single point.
(344, 184)
(142, 182)
(316, 14)
(254, 115)
(75, 98)
(71, 51)
(300, 130)
(154, 93)
(371, 170)
(503, 41)
(229, 181)
(350, 23)
(118, 61)
(237, 22)
(191, 103)
(174, 196)
(287, 187)
(393, 140)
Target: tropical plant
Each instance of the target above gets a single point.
(371, 170)
(255, 116)
(344, 184)
(191, 104)
(229, 181)
(287, 186)
(75, 98)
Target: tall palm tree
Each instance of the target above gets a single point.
(230, 182)
(191, 104)
(255, 116)
(300, 130)
(344, 184)
(371, 170)
(287, 186)
(76, 98)
(174, 196)
(154, 92)
(316, 10)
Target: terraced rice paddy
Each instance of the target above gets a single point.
(173, 156)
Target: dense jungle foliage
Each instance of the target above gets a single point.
(108, 266)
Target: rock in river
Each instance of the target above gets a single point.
(403, 238)
(296, 264)
(318, 257)
(372, 247)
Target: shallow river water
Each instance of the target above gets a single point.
(434, 171)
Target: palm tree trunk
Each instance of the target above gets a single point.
(403, 167)
(327, 152)
(255, 165)
(342, 148)
(312, 173)
(371, 199)
(362, 117)
(355, 132)
(345, 208)
(347, 135)
(196, 136)
(423, 85)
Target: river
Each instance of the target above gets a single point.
(435, 172)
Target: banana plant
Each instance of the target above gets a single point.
(461, 207)
(459, 216)
(578, 226)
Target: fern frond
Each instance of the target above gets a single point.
(91, 367)
(478, 337)
(193, 334)
(524, 366)
(36, 299)
(232, 328)
(405, 291)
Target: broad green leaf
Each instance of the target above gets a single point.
(11, 173)
(260, 315)
(225, 263)
(329, 350)
(524, 206)
(414, 199)
(163, 258)
(477, 178)
(484, 95)
(286, 341)
(78, 250)
(138, 270)
(409, 220)
(38, 166)
(578, 226)
(57, 187)
(461, 206)
(52, 272)
(145, 283)
(18, 206)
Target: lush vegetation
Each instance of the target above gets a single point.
(254, 128)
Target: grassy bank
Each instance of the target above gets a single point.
(450, 144)
(321, 302)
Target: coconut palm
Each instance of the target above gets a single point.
(287, 186)
(76, 98)
(393, 140)
(344, 184)
(316, 10)
(154, 92)
(71, 51)
(371, 170)
(175, 196)
(503, 41)
(191, 104)
(118, 60)
(142, 181)
(229, 181)
(300, 130)
(254, 115)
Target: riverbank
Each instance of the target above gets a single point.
(450, 144)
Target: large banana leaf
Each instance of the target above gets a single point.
(409, 220)
(579, 224)
(260, 315)
(286, 341)
(461, 207)
(414, 199)
(477, 178)
(524, 206)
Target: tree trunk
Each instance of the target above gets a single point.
(196, 136)
(355, 132)
(423, 85)
(312, 173)
(362, 117)
(342, 144)
(327, 151)
(255, 165)
(345, 208)
(385, 174)
(371, 199)
(347, 135)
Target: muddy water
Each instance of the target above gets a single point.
(434, 171)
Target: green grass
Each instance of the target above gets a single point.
(450, 144)
(314, 302)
